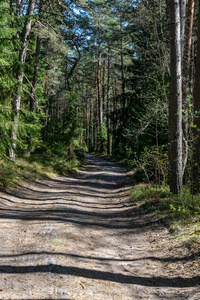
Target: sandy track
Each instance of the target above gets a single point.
(81, 237)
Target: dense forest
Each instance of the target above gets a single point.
(119, 78)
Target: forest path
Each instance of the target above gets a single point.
(81, 237)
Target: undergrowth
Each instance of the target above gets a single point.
(43, 163)
(180, 214)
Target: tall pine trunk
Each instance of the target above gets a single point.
(196, 130)
(175, 102)
(37, 60)
(122, 73)
(182, 6)
(100, 115)
(186, 76)
(35, 76)
(114, 125)
(87, 118)
(108, 104)
(91, 121)
(103, 89)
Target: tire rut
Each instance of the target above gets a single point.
(80, 237)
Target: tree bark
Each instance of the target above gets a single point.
(87, 118)
(77, 60)
(186, 75)
(99, 84)
(37, 60)
(175, 102)
(108, 104)
(122, 73)
(114, 127)
(46, 97)
(91, 120)
(35, 76)
(182, 5)
(103, 90)
(196, 129)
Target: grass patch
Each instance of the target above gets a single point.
(44, 163)
(180, 214)
(56, 244)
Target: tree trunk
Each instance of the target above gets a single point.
(186, 75)
(77, 60)
(46, 97)
(87, 118)
(34, 85)
(36, 69)
(122, 73)
(196, 130)
(16, 104)
(108, 104)
(35, 76)
(182, 5)
(99, 84)
(95, 123)
(91, 121)
(175, 102)
(114, 111)
(103, 89)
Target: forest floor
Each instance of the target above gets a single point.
(82, 237)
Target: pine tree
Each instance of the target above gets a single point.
(16, 102)
(175, 103)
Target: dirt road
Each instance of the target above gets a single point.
(81, 237)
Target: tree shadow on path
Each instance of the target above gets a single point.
(176, 282)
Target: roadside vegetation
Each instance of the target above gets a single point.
(43, 163)
(180, 214)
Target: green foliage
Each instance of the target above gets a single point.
(57, 158)
(65, 130)
(43, 163)
(102, 139)
(8, 56)
(147, 82)
(29, 123)
(142, 193)
(180, 214)
(152, 165)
